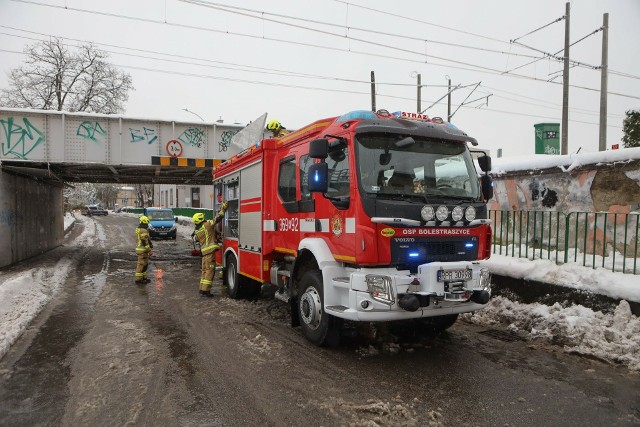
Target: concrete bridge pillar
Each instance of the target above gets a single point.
(31, 217)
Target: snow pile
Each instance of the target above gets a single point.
(69, 219)
(609, 337)
(566, 163)
(24, 296)
(598, 281)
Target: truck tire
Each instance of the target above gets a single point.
(437, 324)
(231, 277)
(318, 327)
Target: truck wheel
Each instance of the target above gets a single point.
(231, 277)
(318, 327)
(438, 324)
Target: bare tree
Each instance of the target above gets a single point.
(79, 195)
(107, 194)
(144, 194)
(58, 78)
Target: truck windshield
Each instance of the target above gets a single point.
(425, 167)
(161, 215)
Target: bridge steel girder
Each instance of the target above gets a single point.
(86, 147)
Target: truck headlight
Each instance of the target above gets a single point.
(427, 213)
(442, 213)
(457, 213)
(380, 288)
(151, 227)
(470, 213)
(485, 279)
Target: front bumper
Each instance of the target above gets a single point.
(161, 233)
(404, 295)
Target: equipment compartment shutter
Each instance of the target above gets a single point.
(251, 208)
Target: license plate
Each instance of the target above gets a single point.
(449, 275)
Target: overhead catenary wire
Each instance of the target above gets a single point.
(538, 29)
(379, 55)
(383, 95)
(347, 28)
(476, 68)
(226, 65)
(304, 75)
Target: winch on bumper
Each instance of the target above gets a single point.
(437, 289)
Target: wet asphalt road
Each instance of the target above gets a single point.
(108, 352)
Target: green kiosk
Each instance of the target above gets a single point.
(547, 138)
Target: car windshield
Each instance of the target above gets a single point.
(415, 166)
(161, 215)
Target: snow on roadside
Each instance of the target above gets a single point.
(24, 296)
(609, 337)
(69, 219)
(599, 281)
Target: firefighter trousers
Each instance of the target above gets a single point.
(208, 271)
(141, 268)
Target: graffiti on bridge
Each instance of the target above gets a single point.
(92, 131)
(193, 136)
(225, 140)
(7, 216)
(144, 134)
(20, 139)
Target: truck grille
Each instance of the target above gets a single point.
(411, 252)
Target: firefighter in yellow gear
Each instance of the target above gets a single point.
(143, 250)
(277, 129)
(209, 238)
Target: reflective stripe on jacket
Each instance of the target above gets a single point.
(142, 241)
(206, 235)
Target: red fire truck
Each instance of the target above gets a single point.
(369, 216)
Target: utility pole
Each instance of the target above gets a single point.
(373, 91)
(449, 100)
(564, 145)
(419, 94)
(603, 83)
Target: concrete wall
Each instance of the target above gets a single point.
(568, 208)
(31, 218)
(611, 187)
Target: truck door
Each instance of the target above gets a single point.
(334, 212)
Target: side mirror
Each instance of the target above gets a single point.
(485, 163)
(486, 184)
(319, 148)
(176, 219)
(319, 178)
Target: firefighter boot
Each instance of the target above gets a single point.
(207, 294)
(140, 282)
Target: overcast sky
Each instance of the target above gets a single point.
(300, 61)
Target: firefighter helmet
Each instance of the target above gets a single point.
(144, 219)
(274, 125)
(198, 218)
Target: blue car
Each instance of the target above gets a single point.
(162, 223)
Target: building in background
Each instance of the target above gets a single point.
(183, 196)
(126, 196)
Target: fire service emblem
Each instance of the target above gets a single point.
(337, 224)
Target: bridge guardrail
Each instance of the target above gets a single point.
(593, 239)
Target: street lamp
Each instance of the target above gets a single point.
(195, 114)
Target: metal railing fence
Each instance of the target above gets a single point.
(592, 239)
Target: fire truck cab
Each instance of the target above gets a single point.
(369, 216)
